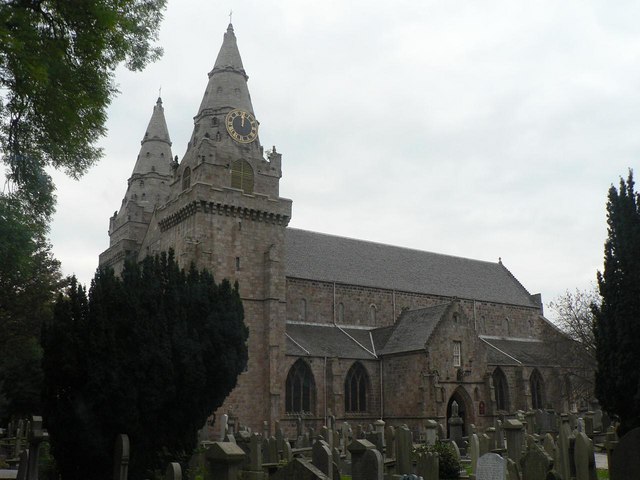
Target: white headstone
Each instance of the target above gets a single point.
(491, 466)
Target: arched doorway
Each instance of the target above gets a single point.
(465, 409)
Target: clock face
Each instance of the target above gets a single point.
(242, 126)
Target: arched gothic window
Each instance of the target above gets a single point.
(242, 176)
(340, 312)
(372, 314)
(356, 386)
(536, 385)
(506, 327)
(186, 178)
(501, 389)
(300, 389)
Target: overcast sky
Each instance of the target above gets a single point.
(476, 129)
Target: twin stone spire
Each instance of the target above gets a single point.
(149, 184)
(155, 179)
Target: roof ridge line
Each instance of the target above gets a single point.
(413, 249)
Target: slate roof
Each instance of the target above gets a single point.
(328, 341)
(413, 329)
(317, 256)
(512, 351)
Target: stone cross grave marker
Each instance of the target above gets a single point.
(491, 466)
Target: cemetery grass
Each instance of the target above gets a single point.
(603, 474)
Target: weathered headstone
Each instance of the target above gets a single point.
(431, 432)
(474, 451)
(37, 435)
(23, 466)
(484, 444)
(535, 463)
(390, 442)
(322, 458)
(428, 465)
(625, 460)
(224, 422)
(358, 449)
(121, 458)
(499, 435)
(549, 444)
(491, 466)
(597, 421)
(404, 448)
(588, 423)
(255, 455)
(564, 463)
(173, 472)
(224, 460)
(455, 425)
(373, 468)
(515, 437)
(584, 458)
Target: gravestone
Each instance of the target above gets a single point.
(531, 422)
(540, 419)
(37, 435)
(224, 460)
(224, 421)
(564, 464)
(255, 455)
(491, 433)
(173, 472)
(428, 465)
(474, 451)
(121, 457)
(584, 458)
(484, 442)
(536, 463)
(597, 421)
(431, 432)
(373, 468)
(499, 435)
(549, 445)
(390, 442)
(588, 423)
(344, 433)
(625, 459)
(322, 458)
(515, 437)
(404, 448)
(513, 470)
(455, 425)
(491, 466)
(358, 448)
(23, 466)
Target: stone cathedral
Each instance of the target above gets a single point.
(338, 326)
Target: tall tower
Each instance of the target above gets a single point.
(224, 213)
(147, 188)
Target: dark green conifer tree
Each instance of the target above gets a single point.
(617, 319)
(158, 349)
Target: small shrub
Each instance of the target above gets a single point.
(449, 464)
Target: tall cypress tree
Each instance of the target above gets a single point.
(617, 319)
(153, 352)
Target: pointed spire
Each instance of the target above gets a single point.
(155, 150)
(229, 56)
(227, 86)
(157, 128)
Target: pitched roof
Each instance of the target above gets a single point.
(517, 351)
(413, 329)
(328, 340)
(317, 256)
